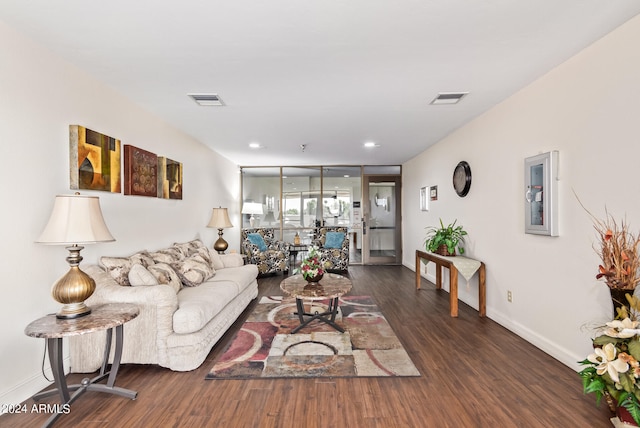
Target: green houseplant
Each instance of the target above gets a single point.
(445, 239)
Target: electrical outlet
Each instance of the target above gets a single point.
(509, 296)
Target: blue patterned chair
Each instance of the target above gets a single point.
(264, 251)
(333, 247)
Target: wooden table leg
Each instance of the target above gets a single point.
(482, 291)
(418, 278)
(438, 276)
(453, 291)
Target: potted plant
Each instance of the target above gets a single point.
(612, 370)
(311, 268)
(444, 240)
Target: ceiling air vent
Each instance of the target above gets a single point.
(448, 97)
(207, 99)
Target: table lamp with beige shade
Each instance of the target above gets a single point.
(220, 220)
(75, 220)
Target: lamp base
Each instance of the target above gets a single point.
(73, 288)
(220, 245)
(73, 310)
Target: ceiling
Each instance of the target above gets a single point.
(327, 74)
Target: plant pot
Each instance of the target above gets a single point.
(313, 279)
(444, 251)
(625, 417)
(618, 299)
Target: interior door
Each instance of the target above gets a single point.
(382, 240)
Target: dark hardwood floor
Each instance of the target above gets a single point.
(475, 373)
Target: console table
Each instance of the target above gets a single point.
(108, 317)
(469, 266)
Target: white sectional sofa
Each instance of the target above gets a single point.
(188, 297)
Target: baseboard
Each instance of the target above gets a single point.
(560, 353)
(24, 390)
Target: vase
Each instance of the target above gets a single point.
(444, 251)
(313, 279)
(618, 299)
(625, 417)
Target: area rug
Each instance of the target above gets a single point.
(265, 348)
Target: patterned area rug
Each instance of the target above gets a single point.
(265, 348)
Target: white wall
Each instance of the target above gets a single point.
(587, 108)
(41, 96)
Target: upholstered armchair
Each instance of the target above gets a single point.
(264, 251)
(333, 247)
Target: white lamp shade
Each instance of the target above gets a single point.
(252, 208)
(220, 219)
(75, 219)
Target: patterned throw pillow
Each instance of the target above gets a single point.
(139, 275)
(256, 239)
(167, 255)
(334, 240)
(189, 248)
(165, 274)
(119, 267)
(193, 270)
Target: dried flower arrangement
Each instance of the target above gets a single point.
(618, 251)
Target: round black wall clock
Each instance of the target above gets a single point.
(462, 178)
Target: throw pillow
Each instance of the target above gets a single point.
(216, 259)
(257, 240)
(167, 255)
(165, 274)
(334, 240)
(118, 268)
(193, 270)
(139, 275)
(189, 248)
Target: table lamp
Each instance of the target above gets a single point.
(220, 220)
(75, 219)
(252, 208)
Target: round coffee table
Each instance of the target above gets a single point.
(332, 286)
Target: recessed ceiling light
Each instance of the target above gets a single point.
(207, 99)
(448, 97)
(371, 144)
(255, 145)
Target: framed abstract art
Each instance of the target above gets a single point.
(94, 160)
(140, 172)
(169, 178)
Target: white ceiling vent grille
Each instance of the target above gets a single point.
(207, 99)
(448, 97)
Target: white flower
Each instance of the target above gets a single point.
(622, 329)
(606, 361)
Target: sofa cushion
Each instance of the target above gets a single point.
(193, 270)
(166, 275)
(334, 240)
(241, 276)
(198, 305)
(257, 240)
(232, 260)
(139, 275)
